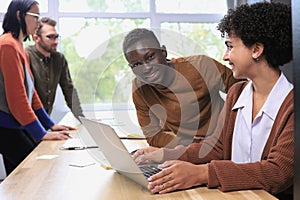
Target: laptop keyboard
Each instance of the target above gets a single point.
(149, 170)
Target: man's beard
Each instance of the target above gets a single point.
(47, 48)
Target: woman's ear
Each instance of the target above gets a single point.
(258, 49)
(18, 15)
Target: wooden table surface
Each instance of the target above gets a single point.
(51, 173)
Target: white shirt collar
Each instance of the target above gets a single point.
(280, 90)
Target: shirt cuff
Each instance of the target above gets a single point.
(44, 118)
(212, 177)
(36, 130)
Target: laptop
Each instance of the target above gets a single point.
(116, 153)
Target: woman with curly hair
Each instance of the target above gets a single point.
(253, 144)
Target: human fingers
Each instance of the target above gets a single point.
(143, 159)
(138, 153)
(180, 175)
(168, 163)
(70, 127)
(150, 149)
(57, 127)
(166, 187)
(163, 182)
(62, 135)
(166, 177)
(160, 177)
(65, 134)
(56, 135)
(145, 154)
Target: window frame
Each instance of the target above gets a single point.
(156, 19)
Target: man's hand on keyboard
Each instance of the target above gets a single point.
(148, 155)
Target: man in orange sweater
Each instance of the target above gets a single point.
(177, 101)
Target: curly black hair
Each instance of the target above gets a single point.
(136, 35)
(266, 23)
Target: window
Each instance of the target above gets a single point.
(192, 38)
(112, 6)
(92, 33)
(4, 5)
(191, 6)
(94, 50)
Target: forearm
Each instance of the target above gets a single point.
(163, 139)
(73, 102)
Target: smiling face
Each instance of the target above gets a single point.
(149, 64)
(239, 57)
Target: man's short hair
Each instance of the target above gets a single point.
(136, 35)
(44, 20)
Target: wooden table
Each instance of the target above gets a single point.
(40, 178)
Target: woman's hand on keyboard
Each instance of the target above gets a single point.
(177, 175)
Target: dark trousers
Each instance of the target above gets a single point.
(15, 145)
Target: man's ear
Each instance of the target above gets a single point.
(164, 51)
(35, 37)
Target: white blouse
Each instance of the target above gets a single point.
(249, 138)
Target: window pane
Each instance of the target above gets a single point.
(43, 5)
(104, 6)
(93, 49)
(4, 6)
(191, 6)
(193, 38)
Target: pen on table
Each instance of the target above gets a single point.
(78, 148)
(132, 138)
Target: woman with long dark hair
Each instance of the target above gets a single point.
(24, 121)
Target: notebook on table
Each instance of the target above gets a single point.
(116, 153)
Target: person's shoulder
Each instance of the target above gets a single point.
(58, 55)
(206, 58)
(239, 85)
(178, 60)
(191, 58)
(139, 87)
(9, 41)
(199, 57)
(236, 89)
(200, 61)
(30, 48)
(136, 83)
(194, 58)
(33, 53)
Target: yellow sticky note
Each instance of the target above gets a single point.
(134, 135)
(107, 167)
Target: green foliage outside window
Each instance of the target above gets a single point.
(98, 79)
(104, 76)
